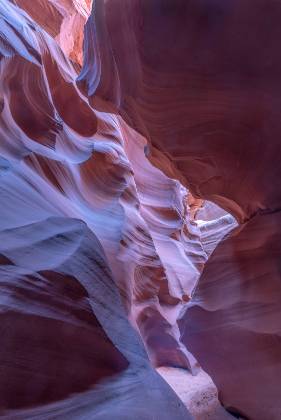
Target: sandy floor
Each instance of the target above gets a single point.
(198, 393)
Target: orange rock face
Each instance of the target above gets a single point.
(64, 20)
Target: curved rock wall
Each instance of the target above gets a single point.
(83, 201)
(235, 311)
(91, 165)
(64, 20)
(201, 81)
(78, 256)
(104, 175)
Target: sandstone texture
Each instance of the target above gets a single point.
(140, 207)
(198, 393)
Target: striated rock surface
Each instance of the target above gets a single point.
(64, 20)
(201, 81)
(82, 201)
(61, 335)
(198, 88)
(89, 164)
(70, 216)
(113, 179)
(236, 311)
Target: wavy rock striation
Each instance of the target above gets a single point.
(109, 177)
(203, 89)
(71, 216)
(82, 201)
(64, 20)
(91, 165)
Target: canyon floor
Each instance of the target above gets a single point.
(198, 393)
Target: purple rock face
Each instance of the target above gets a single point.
(113, 164)
(203, 85)
(68, 349)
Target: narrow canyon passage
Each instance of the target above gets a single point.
(140, 206)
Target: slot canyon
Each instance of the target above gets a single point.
(140, 263)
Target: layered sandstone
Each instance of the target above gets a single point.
(72, 216)
(82, 201)
(201, 81)
(109, 177)
(64, 20)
